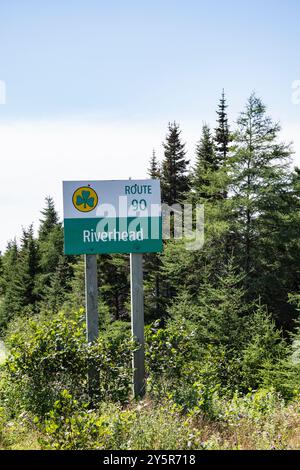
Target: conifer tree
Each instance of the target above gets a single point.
(152, 264)
(76, 296)
(239, 335)
(174, 178)
(208, 183)
(259, 165)
(28, 269)
(264, 208)
(50, 219)
(21, 268)
(154, 168)
(59, 287)
(113, 279)
(50, 242)
(11, 301)
(206, 165)
(222, 134)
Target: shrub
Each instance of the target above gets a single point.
(71, 426)
(54, 356)
(169, 349)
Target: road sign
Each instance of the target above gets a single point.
(122, 216)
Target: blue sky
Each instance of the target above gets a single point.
(98, 81)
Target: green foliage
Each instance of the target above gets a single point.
(21, 268)
(254, 405)
(49, 221)
(206, 166)
(222, 133)
(217, 341)
(112, 357)
(258, 420)
(52, 355)
(168, 349)
(114, 284)
(10, 302)
(49, 358)
(56, 270)
(174, 179)
(154, 170)
(265, 347)
(262, 192)
(57, 292)
(70, 427)
(1, 275)
(76, 296)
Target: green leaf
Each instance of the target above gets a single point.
(85, 199)
(90, 201)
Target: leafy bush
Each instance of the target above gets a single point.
(254, 406)
(169, 349)
(258, 416)
(54, 356)
(71, 426)
(259, 420)
(112, 356)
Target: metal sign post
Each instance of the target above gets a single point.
(137, 322)
(92, 328)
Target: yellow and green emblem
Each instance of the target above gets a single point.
(85, 199)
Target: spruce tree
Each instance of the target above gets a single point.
(175, 184)
(21, 269)
(217, 314)
(152, 265)
(206, 165)
(222, 307)
(174, 177)
(59, 287)
(113, 278)
(263, 206)
(183, 269)
(28, 269)
(259, 164)
(50, 219)
(238, 337)
(11, 300)
(154, 168)
(265, 349)
(222, 133)
(50, 242)
(76, 296)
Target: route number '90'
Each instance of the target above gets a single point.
(139, 205)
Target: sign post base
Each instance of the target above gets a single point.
(92, 328)
(137, 322)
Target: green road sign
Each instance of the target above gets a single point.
(121, 216)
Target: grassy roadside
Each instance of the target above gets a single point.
(157, 426)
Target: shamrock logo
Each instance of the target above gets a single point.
(85, 199)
